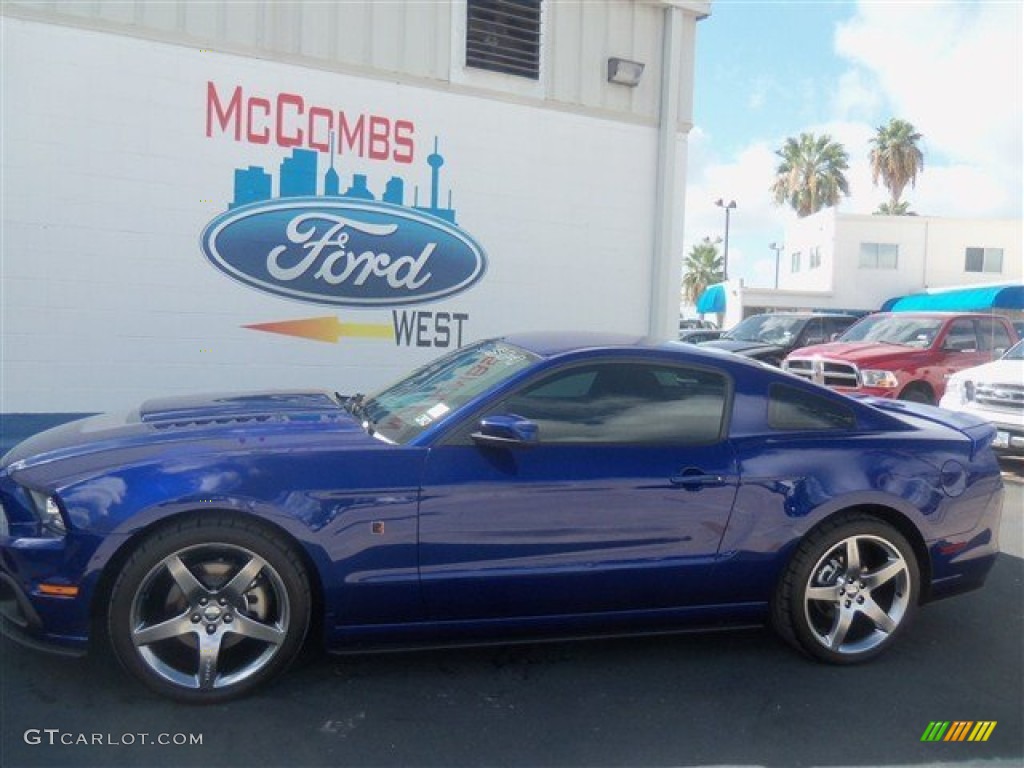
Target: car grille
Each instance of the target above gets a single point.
(827, 372)
(1008, 396)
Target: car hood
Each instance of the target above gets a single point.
(740, 347)
(253, 418)
(998, 372)
(862, 353)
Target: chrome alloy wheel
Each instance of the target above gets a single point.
(857, 595)
(209, 616)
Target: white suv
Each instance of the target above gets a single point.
(995, 392)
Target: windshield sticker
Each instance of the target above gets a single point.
(438, 411)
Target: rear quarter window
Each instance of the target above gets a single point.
(791, 409)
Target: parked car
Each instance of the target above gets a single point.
(697, 336)
(995, 392)
(904, 355)
(527, 486)
(770, 337)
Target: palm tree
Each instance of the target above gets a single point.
(703, 267)
(901, 208)
(896, 159)
(811, 174)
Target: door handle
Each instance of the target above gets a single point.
(693, 478)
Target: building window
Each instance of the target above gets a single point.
(879, 255)
(504, 36)
(984, 260)
(794, 261)
(815, 257)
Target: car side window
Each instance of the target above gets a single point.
(836, 325)
(813, 333)
(793, 409)
(624, 403)
(993, 336)
(961, 337)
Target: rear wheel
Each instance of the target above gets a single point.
(209, 609)
(850, 589)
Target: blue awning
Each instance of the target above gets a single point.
(712, 300)
(962, 300)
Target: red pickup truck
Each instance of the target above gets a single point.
(904, 355)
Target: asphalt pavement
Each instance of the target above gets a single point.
(742, 698)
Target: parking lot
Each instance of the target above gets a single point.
(742, 698)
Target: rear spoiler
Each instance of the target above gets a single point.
(981, 433)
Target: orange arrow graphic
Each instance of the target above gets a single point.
(329, 329)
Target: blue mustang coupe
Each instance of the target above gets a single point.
(533, 485)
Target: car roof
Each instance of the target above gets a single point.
(938, 315)
(804, 314)
(550, 344)
(553, 343)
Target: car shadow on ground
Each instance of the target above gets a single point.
(739, 698)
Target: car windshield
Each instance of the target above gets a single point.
(895, 329)
(769, 329)
(1016, 352)
(428, 395)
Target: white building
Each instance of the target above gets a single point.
(841, 261)
(238, 195)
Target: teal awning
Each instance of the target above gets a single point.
(712, 301)
(962, 300)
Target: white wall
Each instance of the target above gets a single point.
(109, 177)
(931, 255)
(948, 240)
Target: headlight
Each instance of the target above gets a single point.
(50, 518)
(884, 379)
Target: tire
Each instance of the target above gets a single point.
(918, 393)
(851, 588)
(209, 608)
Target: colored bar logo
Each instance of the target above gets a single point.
(958, 730)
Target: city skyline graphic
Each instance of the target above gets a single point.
(299, 177)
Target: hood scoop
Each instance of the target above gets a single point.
(240, 408)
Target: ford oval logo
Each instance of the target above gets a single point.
(343, 252)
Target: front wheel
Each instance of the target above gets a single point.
(850, 589)
(918, 393)
(209, 609)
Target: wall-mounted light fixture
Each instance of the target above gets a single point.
(624, 72)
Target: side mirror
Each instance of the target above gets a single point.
(506, 431)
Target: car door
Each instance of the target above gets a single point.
(960, 348)
(813, 333)
(620, 504)
(835, 326)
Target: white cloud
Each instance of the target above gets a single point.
(956, 71)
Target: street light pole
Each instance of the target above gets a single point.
(725, 258)
(777, 247)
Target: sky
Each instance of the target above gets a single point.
(769, 70)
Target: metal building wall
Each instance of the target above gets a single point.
(412, 39)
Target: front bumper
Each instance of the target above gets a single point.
(54, 623)
(20, 622)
